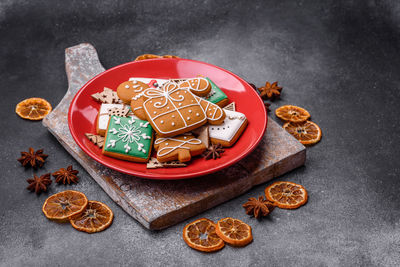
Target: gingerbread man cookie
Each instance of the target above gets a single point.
(128, 139)
(172, 110)
(182, 148)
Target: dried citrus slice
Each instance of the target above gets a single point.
(286, 195)
(292, 113)
(61, 206)
(95, 218)
(306, 132)
(234, 232)
(151, 56)
(33, 109)
(201, 235)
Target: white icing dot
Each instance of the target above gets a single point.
(188, 118)
(190, 111)
(184, 137)
(197, 114)
(127, 86)
(192, 100)
(151, 101)
(155, 112)
(173, 123)
(162, 122)
(210, 114)
(134, 82)
(173, 116)
(167, 107)
(166, 144)
(180, 104)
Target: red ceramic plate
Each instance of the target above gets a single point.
(83, 113)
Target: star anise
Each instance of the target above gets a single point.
(213, 152)
(270, 91)
(66, 175)
(258, 207)
(39, 184)
(32, 158)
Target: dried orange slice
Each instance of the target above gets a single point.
(234, 232)
(33, 109)
(95, 218)
(201, 235)
(306, 132)
(61, 206)
(286, 195)
(292, 113)
(151, 56)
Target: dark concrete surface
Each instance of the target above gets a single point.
(338, 59)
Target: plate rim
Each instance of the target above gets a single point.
(166, 176)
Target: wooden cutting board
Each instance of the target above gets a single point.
(159, 204)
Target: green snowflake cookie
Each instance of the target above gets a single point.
(216, 95)
(128, 137)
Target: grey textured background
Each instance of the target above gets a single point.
(338, 59)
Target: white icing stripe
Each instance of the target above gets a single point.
(170, 111)
(169, 149)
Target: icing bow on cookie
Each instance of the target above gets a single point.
(164, 95)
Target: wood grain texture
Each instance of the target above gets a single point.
(159, 204)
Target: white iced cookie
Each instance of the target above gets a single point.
(229, 131)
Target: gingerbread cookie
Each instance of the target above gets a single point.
(229, 131)
(172, 110)
(199, 86)
(128, 139)
(182, 148)
(129, 89)
(216, 95)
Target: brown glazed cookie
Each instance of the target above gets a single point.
(182, 148)
(129, 89)
(172, 110)
(198, 86)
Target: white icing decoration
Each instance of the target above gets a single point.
(190, 111)
(228, 129)
(197, 114)
(188, 118)
(136, 97)
(168, 149)
(144, 125)
(131, 121)
(127, 148)
(173, 116)
(134, 82)
(173, 123)
(112, 143)
(117, 120)
(127, 86)
(162, 122)
(114, 131)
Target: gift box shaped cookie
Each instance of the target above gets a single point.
(172, 110)
(128, 139)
